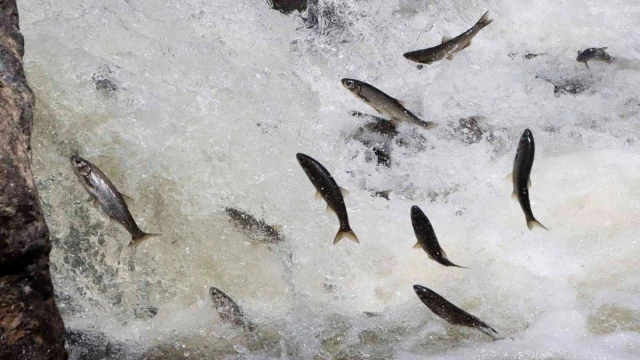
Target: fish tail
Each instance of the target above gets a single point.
(345, 231)
(531, 223)
(448, 262)
(139, 238)
(484, 20)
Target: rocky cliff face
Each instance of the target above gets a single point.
(30, 325)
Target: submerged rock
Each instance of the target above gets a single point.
(288, 6)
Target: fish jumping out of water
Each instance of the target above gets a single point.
(110, 200)
(328, 189)
(449, 47)
(427, 239)
(384, 104)
(451, 313)
(522, 165)
(594, 54)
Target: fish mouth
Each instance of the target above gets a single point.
(351, 84)
(420, 290)
(302, 159)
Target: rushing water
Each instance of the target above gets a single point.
(195, 106)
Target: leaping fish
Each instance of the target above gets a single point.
(391, 108)
(110, 200)
(427, 239)
(451, 313)
(522, 165)
(328, 189)
(448, 47)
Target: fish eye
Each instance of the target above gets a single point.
(349, 83)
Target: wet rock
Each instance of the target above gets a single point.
(105, 85)
(255, 229)
(472, 129)
(30, 324)
(87, 345)
(570, 86)
(288, 6)
(377, 135)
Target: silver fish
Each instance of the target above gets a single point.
(427, 239)
(228, 310)
(448, 47)
(522, 165)
(451, 313)
(110, 200)
(594, 54)
(328, 189)
(384, 104)
(256, 229)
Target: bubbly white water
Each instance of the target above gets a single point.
(192, 106)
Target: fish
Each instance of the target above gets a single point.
(257, 229)
(328, 189)
(228, 310)
(108, 198)
(384, 104)
(522, 165)
(451, 313)
(594, 54)
(449, 47)
(427, 239)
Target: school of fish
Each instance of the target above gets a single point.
(392, 112)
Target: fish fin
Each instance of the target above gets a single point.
(450, 57)
(466, 46)
(445, 38)
(385, 194)
(277, 228)
(484, 20)
(400, 102)
(429, 125)
(95, 203)
(509, 177)
(513, 195)
(604, 48)
(578, 52)
(444, 254)
(137, 240)
(417, 246)
(318, 195)
(346, 233)
(529, 183)
(330, 210)
(535, 223)
(128, 199)
(344, 192)
(587, 66)
(394, 121)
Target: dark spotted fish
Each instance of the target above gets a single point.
(427, 239)
(328, 190)
(384, 104)
(257, 229)
(449, 47)
(522, 165)
(451, 313)
(228, 310)
(110, 200)
(594, 54)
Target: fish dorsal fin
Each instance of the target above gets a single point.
(400, 102)
(445, 38)
(529, 183)
(330, 210)
(604, 48)
(128, 199)
(417, 246)
(344, 192)
(443, 254)
(468, 44)
(318, 195)
(509, 177)
(513, 195)
(450, 57)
